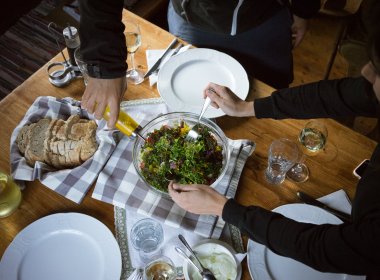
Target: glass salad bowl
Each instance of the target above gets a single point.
(165, 155)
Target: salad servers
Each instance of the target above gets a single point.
(137, 274)
(183, 255)
(192, 135)
(205, 272)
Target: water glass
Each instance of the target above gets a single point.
(160, 268)
(147, 236)
(82, 65)
(10, 195)
(283, 154)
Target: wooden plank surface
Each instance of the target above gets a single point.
(329, 171)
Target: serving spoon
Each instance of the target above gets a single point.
(204, 276)
(205, 272)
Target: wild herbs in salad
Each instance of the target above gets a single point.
(166, 155)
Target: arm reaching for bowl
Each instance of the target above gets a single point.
(198, 199)
(222, 97)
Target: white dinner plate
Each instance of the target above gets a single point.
(62, 246)
(183, 78)
(209, 247)
(263, 264)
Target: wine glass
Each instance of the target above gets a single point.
(133, 41)
(313, 139)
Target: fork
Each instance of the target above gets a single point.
(137, 274)
(193, 135)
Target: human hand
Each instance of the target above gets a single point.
(222, 97)
(101, 93)
(299, 28)
(197, 199)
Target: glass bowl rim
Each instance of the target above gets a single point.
(181, 116)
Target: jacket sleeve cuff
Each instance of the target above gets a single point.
(264, 107)
(233, 212)
(106, 71)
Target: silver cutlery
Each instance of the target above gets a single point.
(176, 50)
(205, 272)
(183, 255)
(137, 274)
(158, 62)
(193, 134)
(312, 201)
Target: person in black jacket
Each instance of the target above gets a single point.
(352, 248)
(261, 31)
(260, 34)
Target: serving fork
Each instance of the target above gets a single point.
(193, 134)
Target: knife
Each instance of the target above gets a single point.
(176, 50)
(157, 64)
(309, 200)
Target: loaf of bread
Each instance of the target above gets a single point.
(61, 144)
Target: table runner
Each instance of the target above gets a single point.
(119, 183)
(123, 220)
(71, 183)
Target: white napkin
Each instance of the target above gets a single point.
(170, 241)
(337, 200)
(153, 55)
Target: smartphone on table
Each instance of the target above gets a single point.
(359, 170)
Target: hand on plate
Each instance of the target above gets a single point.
(222, 97)
(102, 92)
(197, 199)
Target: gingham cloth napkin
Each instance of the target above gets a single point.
(71, 183)
(119, 183)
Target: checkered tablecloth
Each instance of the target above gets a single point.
(119, 183)
(71, 183)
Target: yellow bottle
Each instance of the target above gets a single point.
(125, 123)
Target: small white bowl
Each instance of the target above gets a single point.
(209, 247)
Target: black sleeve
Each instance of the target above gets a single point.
(305, 9)
(352, 248)
(324, 99)
(102, 39)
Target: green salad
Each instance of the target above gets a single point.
(166, 156)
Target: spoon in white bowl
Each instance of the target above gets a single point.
(205, 272)
(204, 276)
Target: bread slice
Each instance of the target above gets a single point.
(59, 143)
(35, 149)
(22, 139)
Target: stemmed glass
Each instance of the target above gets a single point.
(133, 41)
(313, 139)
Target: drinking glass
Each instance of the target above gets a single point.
(313, 139)
(283, 154)
(147, 236)
(82, 65)
(133, 41)
(160, 268)
(10, 195)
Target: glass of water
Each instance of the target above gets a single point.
(283, 154)
(147, 236)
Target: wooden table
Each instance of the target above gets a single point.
(329, 171)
